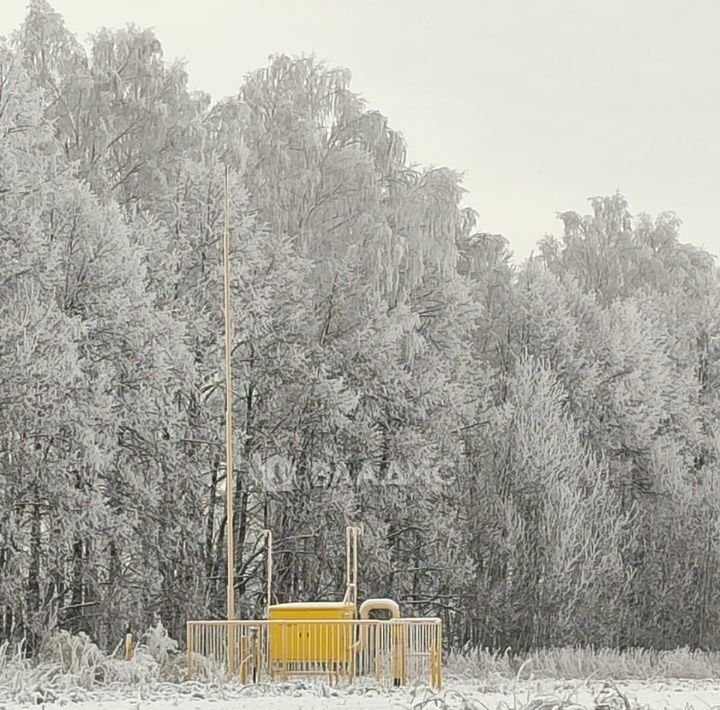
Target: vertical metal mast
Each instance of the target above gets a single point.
(229, 469)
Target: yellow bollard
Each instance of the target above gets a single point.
(399, 657)
(435, 663)
(244, 659)
(232, 650)
(189, 635)
(436, 659)
(256, 659)
(129, 645)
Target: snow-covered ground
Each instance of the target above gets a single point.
(457, 695)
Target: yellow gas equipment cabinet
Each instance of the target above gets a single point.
(295, 645)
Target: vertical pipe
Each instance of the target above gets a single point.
(437, 657)
(266, 649)
(378, 652)
(351, 537)
(355, 565)
(268, 572)
(350, 655)
(268, 544)
(260, 654)
(255, 641)
(229, 458)
(189, 641)
(357, 535)
(399, 655)
(347, 564)
(244, 657)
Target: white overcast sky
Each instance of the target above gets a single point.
(543, 103)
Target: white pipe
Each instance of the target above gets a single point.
(356, 532)
(375, 605)
(351, 565)
(379, 605)
(268, 548)
(347, 562)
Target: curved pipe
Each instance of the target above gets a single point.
(368, 606)
(379, 605)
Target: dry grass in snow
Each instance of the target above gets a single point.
(71, 669)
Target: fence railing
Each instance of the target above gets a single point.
(388, 652)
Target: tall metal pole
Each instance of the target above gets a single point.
(229, 458)
(229, 481)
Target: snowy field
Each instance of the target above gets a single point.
(459, 694)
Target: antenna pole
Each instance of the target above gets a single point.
(229, 458)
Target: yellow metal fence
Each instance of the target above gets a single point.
(387, 652)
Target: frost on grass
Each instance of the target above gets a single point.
(72, 669)
(309, 696)
(579, 663)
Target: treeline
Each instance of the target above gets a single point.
(543, 439)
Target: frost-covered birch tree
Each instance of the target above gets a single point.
(531, 449)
